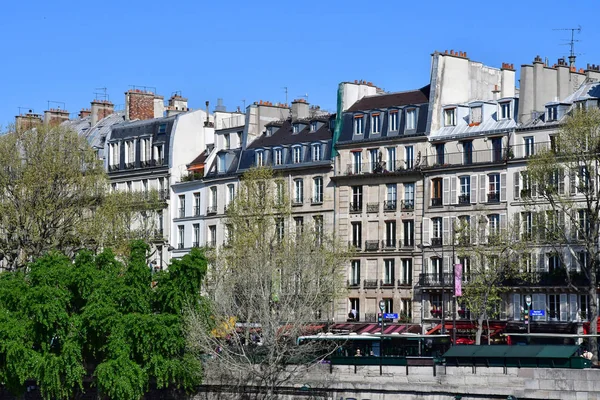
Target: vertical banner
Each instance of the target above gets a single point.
(458, 279)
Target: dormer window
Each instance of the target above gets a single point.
(295, 128)
(316, 152)
(313, 126)
(580, 105)
(278, 156)
(450, 117)
(260, 158)
(552, 113)
(375, 123)
(162, 128)
(505, 110)
(411, 119)
(297, 154)
(359, 125)
(269, 131)
(393, 120)
(476, 116)
(331, 124)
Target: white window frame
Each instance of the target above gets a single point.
(505, 110)
(298, 191)
(297, 154)
(260, 158)
(472, 116)
(278, 156)
(450, 116)
(313, 126)
(295, 128)
(394, 119)
(376, 123)
(411, 119)
(316, 152)
(318, 189)
(359, 124)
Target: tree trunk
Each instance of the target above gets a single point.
(479, 330)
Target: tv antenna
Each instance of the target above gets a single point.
(285, 89)
(101, 94)
(29, 110)
(304, 96)
(571, 43)
(58, 103)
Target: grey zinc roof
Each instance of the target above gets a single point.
(490, 125)
(587, 91)
(95, 135)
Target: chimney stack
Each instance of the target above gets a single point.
(85, 112)
(27, 121)
(300, 109)
(177, 105)
(139, 104)
(55, 116)
(207, 123)
(101, 109)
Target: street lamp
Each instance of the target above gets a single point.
(381, 308)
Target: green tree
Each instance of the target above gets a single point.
(65, 322)
(275, 277)
(55, 197)
(568, 219)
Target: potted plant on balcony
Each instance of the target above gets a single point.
(462, 312)
(436, 312)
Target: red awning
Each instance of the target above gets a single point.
(376, 328)
(496, 327)
(587, 329)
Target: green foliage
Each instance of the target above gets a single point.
(63, 321)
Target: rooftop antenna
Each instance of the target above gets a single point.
(305, 97)
(244, 101)
(28, 110)
(57, 102)
(571, 43)
(101, 94)
(285, 89)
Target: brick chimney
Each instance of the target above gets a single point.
(101, 109)
(55, 116)
(300, 109)
(27, 121)
(85, 112)
(139, 104)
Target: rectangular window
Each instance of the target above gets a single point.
(297, 153)
(389, 266)
(212, 231)
(180, 236)
(354, 314)
(196, 204)
(129, 153)
(465, 190)
(222, 167)
(390, 234)
(227, 141)
(393, 120)
(493, 188)
(230, 193)
(552, 113)
(313, 126)
(436, 192)
(467, 152)
(318, 223)
(440, 153)
(239, 139)
(409, 196)
(280, 192)
(145, 150)
(279, 229)
(391, 159)
(528, 142)
(496, 149)
(278, 156)
(299, 224)
(527, 231)
(356, 234)
(407, 308)
(411, 119)
(374, 161)
(375, 123)
(316, 152)
(296, 128)
(196, 241)
(476, 115)
(408, 227)
(356, 162)
(493, 224)
(359, 127)
(298, 191)
(260, 158)
(406, 278)
(354, 273)
(436, 238)
(505, 110)
(162, 128)
(357, 198)
(182, 206)
(450, 117)
(317, 189)
(158, 154)
(390, 197)
(409, 157)
(212, 201)
(554, 307)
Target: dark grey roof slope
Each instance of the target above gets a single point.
(397, 99)
(285, 136)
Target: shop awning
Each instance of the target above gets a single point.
(469, 328)
(376, 328)
(587, 327)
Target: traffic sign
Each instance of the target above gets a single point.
(390, 316)
(538, 313)
(528, 300)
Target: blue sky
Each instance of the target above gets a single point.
(62, 50)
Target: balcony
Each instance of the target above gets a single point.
(129, 165)
(297, 201)
(435, 280)
(180, 246)
(493, 197)
(544, 278)
(355, 207)
(211, 210)
(371, 317)
(370, 284)
(158, 234)
(354, 244)
(372, 207)
(464, 199)
(316, 199)
(436, 202)
(487, 156)
(404, 282)
(380, 167)
(408, 205)
(196, 211)
(386, 284)
(436, 242)
(388, 244)
(525, 193)
(389, 205)
(371, 245)
(114, 167)
(164, 194)
(354, 283)
(521, 151)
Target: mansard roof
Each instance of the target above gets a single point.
(396, 99)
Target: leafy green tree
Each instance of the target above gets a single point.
(94, 319)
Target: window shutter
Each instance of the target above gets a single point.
(502, 224)
(572, 182)
(483, 224)
(473, 228)
(516, 307)
(445, 231)
(482, 184)
(517, 227)
(473, 189)
(503, 186)
(446, 269)
(534, 187)
(539, 303)
(452, 237)
(517, 181)
(541, 262)
(446, 193)
(453, 197)
(573, 224)
(564, 307)
(561, 181)
(426, 229)
(573, 309)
